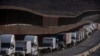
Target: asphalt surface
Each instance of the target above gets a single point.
(87, 44)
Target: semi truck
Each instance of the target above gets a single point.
(94, 26)
(60, 40)
(7, 44)
(34, 43)
(66, 39)
(88, 30)
(23, 48)
(50, 42)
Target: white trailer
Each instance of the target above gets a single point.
(67, 38)
(81, 37)
(34, 44)
(70, 38)
(78, 37)
(73, 38)
(7, 44)
(23, 48)
(84, 32)
(50, 42)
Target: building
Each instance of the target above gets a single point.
(45, 17)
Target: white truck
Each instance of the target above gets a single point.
(7, 44)
(78, 37)
(88, 30)
(67, 39)
(50, 42)
(73, 38)
(93, 26)
(81, 36)
(34, 43)
(23, 48)
(61, 40)
(82, 33)
(70, 38)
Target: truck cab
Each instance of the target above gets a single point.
(60, 40)
(94, 26)
(73, 38)
(7, 44)
(50, 42)
(34, 43)
(88, 30)
(23, 48)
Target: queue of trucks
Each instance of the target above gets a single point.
(30, 46)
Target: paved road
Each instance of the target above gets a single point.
(87, 44)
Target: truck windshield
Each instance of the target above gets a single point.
(5, 45)
(19, 48)
(47, 44)
(73, 37)
(77, 37)
(33, 44)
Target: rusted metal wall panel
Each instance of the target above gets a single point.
(39, 30)
(50, 21)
